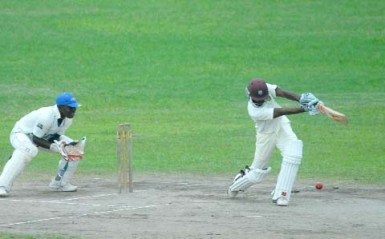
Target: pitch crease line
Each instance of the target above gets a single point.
(78, 216)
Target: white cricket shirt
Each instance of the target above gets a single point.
(42, 122)
(263, 115)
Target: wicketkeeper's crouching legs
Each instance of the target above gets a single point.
(292, 157)
(66, 169)
(61, 182)
(12, 169)
(24, 152)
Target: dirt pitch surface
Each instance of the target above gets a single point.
(192, 207)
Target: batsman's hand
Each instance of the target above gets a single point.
(308, 101)
(313, 109)
(307, 98)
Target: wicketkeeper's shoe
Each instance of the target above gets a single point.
(69, 188)
(57, 186)
(3, 192)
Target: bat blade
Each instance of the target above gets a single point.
(332, 114)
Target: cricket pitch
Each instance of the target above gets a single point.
(188, 206)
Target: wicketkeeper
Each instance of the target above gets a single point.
(43, 129)
(273, 129)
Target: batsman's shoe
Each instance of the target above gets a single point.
(282, 201)
(3, 192)
(57, 186)
(232, 194)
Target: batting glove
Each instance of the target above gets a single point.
(306, 98)
(308, 101)
(313, 110)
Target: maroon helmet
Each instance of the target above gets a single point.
(257, 90)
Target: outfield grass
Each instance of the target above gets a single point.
(177, 71)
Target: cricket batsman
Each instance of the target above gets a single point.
(43, 129)
(273, 130)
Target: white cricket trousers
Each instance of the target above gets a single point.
(24, 152)
(266, 143)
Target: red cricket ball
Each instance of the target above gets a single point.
(319, 186)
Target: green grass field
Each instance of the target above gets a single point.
(177, 70)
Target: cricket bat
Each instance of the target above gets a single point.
(332, 114)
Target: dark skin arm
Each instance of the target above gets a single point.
(287, 94)
(45, 143)
(287, 111)
(41, 142)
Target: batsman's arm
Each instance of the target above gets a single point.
(287, 111)
(306, 100)
(287, 94)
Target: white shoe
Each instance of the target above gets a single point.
(69, 188)
(282, 201)
(232, 194)
(3, 192)
(57, 186)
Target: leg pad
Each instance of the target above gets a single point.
(290, 163)
(252, 177)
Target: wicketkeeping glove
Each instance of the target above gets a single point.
(75, 150)
(71, 151)
(59, 147)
